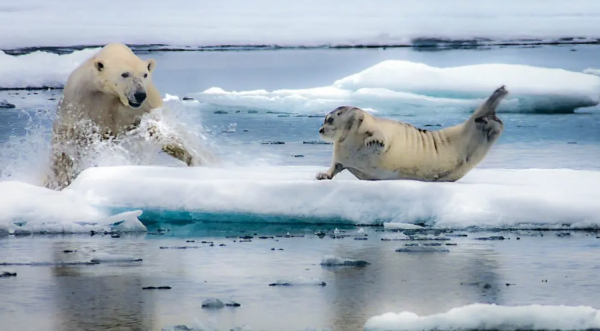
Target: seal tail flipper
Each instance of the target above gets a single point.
(489, 106)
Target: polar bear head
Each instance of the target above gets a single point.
(121, 73)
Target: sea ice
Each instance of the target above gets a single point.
(26, 208)
(385, 85)
(485, 198)
(492, 317)
(40, 69)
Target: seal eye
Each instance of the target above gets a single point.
(125, 75)
(330, 120)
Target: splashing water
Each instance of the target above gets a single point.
(26, 157)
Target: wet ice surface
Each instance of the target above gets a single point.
(525, 268)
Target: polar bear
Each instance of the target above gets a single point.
(104, 98)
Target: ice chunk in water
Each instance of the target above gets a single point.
(7, 273)
(214, 303)
(330, 260)
(422, 249)
(114, 258)
(6, 105)
(395, 237)
(492, 317)
(301, 280)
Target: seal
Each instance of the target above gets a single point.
(382, 149)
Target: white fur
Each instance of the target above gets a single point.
(105, 97)
(381, 149)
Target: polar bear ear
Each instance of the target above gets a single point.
(151, 64)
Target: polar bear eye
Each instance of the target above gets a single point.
(145, 75)
(125, 75)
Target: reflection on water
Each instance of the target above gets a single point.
(110, 296)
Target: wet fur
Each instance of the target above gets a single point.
(381, 149)
(91, 108)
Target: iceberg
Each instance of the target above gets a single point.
(492, 317)
(393, 85)
(485, 198)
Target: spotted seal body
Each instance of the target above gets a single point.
(382, 149)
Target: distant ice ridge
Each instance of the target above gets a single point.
(394, 85)
(485, 198)
(26, 208)
(491, 317)
(30, 23)
(39, 69)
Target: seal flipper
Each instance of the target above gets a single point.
(485, 119)
(488, 108)
(335, 169)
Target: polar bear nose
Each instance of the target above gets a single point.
(140, 96)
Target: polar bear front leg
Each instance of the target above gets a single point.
(180, 153)
(173, 146)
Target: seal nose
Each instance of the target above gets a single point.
(321, 130)
(140, 96)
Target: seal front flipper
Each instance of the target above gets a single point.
(376, 139)
(335, 169)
